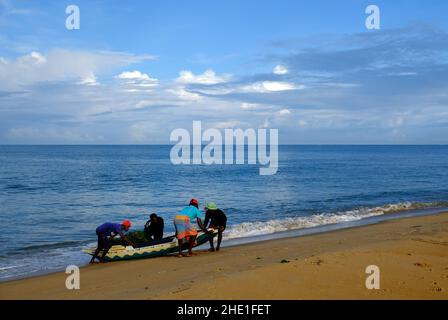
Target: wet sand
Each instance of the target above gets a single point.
(411, 253)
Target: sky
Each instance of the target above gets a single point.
(137, 70)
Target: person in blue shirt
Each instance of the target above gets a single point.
(184, 224)
(106, 232)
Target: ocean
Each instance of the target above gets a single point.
(53, 197)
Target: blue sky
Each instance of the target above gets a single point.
(137, 70)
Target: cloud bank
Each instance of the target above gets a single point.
(388, 86)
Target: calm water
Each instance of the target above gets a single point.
(53, 197)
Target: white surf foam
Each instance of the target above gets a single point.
(249, 229)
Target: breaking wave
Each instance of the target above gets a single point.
(249, 229)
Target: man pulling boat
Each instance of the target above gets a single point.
(218, 221)
(150, 240)
(106, 232)
(184, 224)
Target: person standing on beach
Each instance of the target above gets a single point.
(106, 232)
(218, 221)
(185, 229)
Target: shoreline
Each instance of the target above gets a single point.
(311, 263)
(293, 233)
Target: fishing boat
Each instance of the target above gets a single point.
(144, 249)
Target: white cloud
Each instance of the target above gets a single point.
(183, 94)
(271, 86)
(137, 80)
(340, 84)
(36, 57)
(89, 80)
(60, 65)
(133, 76)
(280, 70)
(256, 87)
(228, 124)
(217, 90)
(284, 112)
(209, 77)
(248, 106)
(39, 102)
(402, 74)
(143, 103)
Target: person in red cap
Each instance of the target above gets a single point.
(185, 229)
(106, 232)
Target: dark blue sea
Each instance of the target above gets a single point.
(53, 197)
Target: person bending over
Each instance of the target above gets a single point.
(184, 224)
(106, 232)
(218, 221)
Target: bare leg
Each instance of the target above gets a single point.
(97, 250)
(95, 255)
(179, 244)
(190, 248)
(220, 231)
(212, 247)
(105, 251)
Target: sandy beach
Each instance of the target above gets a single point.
(411, 253)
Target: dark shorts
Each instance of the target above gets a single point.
(103, 242)
(218, 226)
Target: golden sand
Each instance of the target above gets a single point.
(411, 254)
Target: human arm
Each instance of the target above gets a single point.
(148, 231)
(201, 225)
(207, 219)
(126, 240)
